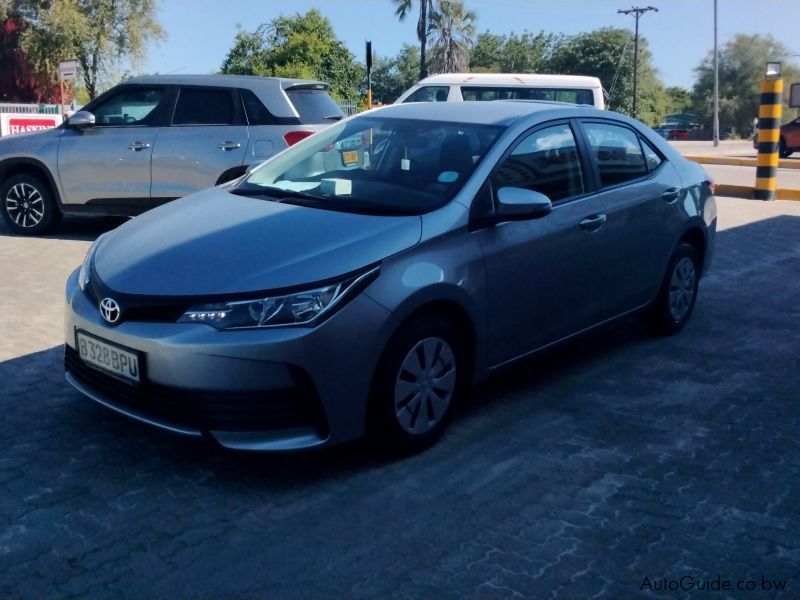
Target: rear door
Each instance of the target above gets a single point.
(206, 140)
(639, 192)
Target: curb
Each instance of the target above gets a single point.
(739, 162)
(747, 192)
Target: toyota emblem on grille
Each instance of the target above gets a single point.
(110, 310)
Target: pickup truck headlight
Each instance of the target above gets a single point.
(301, 308)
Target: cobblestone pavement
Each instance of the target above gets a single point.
(575, 475)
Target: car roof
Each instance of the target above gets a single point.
(496, 112)
(514, 79)
(245, 81)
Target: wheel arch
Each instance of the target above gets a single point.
(13, 166)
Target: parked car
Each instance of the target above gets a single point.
(468, 87)
(151, 140)
(789, 141)
(363, 279)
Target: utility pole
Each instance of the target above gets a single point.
(636, 12)
(716, 80)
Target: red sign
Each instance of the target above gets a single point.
(11, 123)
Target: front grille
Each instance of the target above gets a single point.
(209, 411)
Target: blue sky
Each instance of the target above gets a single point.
(200, 32)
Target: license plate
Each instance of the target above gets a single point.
(120, 362)
(350, 157)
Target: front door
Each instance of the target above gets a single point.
(109, 163)
(541, 272)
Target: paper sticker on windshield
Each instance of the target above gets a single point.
(350, 158)
(448, 176)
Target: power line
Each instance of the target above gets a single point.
(637, 12)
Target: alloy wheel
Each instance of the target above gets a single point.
(25, 205)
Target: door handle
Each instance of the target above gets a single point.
(671, 195)
(229, 145)
(138, 146)
(593, 223)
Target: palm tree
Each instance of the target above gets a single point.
(425, 11)
(454, 30)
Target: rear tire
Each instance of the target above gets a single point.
(676, 298)
(421, 377)
(27, 205)
(783, 150)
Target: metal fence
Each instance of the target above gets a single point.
(30, 109)
(349, 107)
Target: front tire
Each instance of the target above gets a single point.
(678, 293)
(27, 205)
(421, 377)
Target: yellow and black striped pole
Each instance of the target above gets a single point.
(769, 135)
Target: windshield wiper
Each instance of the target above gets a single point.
(334, 118)
(275, 193)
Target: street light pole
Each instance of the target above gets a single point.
(636, 12)
(716, 80)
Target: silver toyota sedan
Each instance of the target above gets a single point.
(362, 280)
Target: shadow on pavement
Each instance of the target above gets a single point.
(74, 228)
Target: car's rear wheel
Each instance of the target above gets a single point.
(421, 377)
(783, 150)
(27, 205)
(676, 298)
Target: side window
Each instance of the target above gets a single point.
(429, 93)
(650, 156)
(205, 107)
(545, 161)
(130, 107)
(617, 151)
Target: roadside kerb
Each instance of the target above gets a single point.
(748, 192)
(739, 162)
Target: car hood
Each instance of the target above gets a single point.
(215, 242)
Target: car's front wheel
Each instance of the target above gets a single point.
(27, 205)
(676, 298)
(421, 377)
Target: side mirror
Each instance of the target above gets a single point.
(81, 119)
(519, 204)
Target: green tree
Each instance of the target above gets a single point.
(678, 100)
(100, 34)
(607, 53)
(403, 9)
(302, 46)
(453, 31)
(524, 53)
(741, 68)
(393, 76)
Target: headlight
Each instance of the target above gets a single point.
(86, 266)
(301, 308)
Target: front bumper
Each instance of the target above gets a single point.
(267, 389)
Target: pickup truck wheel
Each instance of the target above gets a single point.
(27, 205)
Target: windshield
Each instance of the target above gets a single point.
(375, 165)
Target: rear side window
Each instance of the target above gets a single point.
(651, 156)
(206, 107)
(429, 93)
(257, 113)
(483, 93)
(617, 152)
(546, 161)
(314, 106)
